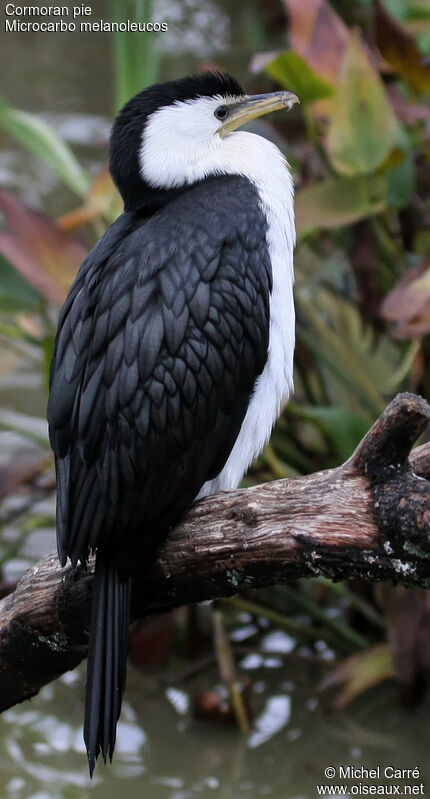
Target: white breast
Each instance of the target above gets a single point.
(264, 164)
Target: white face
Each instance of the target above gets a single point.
(181, 141)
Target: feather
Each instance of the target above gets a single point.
(107, 658)
(159, 347)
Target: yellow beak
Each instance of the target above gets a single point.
(255, 106)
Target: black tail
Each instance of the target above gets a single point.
(107, 660)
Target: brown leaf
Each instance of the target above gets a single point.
(318, 34)
(103, 201)
(39, 249)
(17, 256)
(408, 304)
(399, 49)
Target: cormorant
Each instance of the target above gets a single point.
(174, 351)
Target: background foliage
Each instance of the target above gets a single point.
(359, 147)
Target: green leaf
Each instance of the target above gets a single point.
(340, 201)
(398, 8)
(360, 672)
(401, 182)
(400, 171)
(41, 139)
(344, 428)
(137, 56)
(359, 368)
(363, 128)
(295, 74)
(16, 293)
(423, 42)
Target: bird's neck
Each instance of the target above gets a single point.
(241, 153)
(145, 199)
(266, 167)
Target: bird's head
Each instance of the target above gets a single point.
(177, 133)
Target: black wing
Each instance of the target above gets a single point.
(159, 346)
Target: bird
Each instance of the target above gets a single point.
(174, 350)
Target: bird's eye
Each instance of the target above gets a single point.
(221, 112)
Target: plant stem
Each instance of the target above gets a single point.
(295, 628)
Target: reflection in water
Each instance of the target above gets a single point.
(164, 753)
(274, 717)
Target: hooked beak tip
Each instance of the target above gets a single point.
(291, 100)
(256, 106)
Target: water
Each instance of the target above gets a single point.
(163, 752)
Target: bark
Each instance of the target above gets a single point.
(368, 518)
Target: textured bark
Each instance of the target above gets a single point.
(368, 518)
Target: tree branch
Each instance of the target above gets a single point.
(368, 518)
